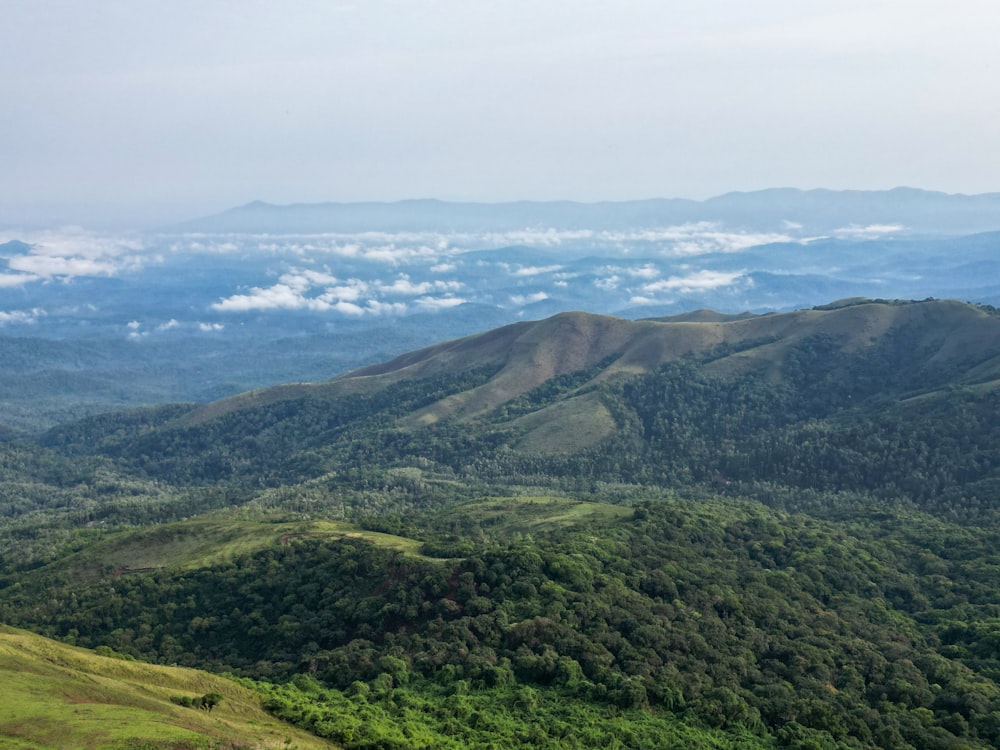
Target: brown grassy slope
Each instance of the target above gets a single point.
(953, 334)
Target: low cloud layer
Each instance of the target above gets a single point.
(872, 231)
(699, 281)
(305, 289)
(20, 316)
(70, 253)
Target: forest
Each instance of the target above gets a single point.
(800, 555)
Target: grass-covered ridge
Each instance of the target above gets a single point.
(54, 696)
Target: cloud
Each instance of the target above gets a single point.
(46, 266)
(16, 279)
(529, 270)
(306, 278)
(375, 307)
(21, 316)
(700, 281)
(277, 297)
(696, 238)
(134, 324)
(871, 231)
(75, 252)
(647, 271)
(403, 286)
(348, 308)
(607, 283)
(211, 326)
(172, 323)
(440, 303)
(351, 291)
(444, 267)
(526, 299)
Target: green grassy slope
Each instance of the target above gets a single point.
(200, 543)
(54, 696)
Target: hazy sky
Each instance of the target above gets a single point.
(139, 112)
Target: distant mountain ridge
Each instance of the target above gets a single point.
(817, 211)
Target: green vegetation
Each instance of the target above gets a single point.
(56, 696)
(772, 531)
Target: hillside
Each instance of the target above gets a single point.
(884, 398)
(57, 696)
(709, 531)
(955, 343)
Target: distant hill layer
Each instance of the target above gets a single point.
(782, 208)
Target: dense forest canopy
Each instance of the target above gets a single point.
(772, 530)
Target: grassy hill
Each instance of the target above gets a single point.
(54, 696)
(949, 343)
(890, 398)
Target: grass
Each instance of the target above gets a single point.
(201, 543)
(57, 696)
(530, 514)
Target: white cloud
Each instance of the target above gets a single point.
(444, 267)
(529, 270)
(277, 297)
(172, 323)
(404, 286)
(306, 278)
(21, 316)
(75, 252)
(699, 281)
(211, 326)
(644, 272)
(134, 324)
(440, 303)
(385, 308)
(869, 232)
(526, 299)
(16, 279)
(47, 266)
(348, 308)
(607, 283)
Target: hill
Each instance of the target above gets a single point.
(889, 398)
(57, 696)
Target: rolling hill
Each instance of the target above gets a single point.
(919, 348)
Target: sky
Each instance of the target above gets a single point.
(134, 113)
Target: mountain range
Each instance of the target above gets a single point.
(821, 211)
